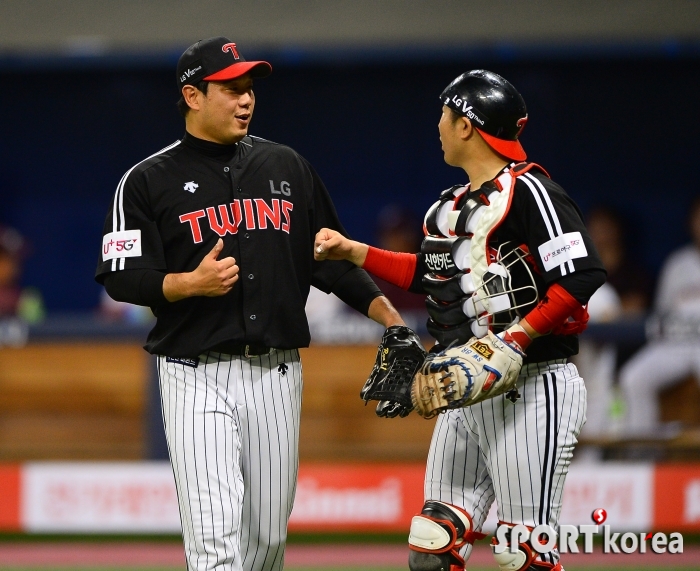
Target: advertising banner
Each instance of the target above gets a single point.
(140, 497)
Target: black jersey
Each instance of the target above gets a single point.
(543, 218)
(266, 203)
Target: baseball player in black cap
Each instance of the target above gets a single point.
(215, 233)
(507, 266)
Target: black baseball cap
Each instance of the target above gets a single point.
(216, 59)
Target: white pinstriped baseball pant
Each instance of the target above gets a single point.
(516, 453)
(232, 426)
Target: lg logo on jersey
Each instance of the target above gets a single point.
(284, 188)
(227, 218)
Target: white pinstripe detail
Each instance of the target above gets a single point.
(495, 450)
(232, 426)
(552, 210)
(119, 203)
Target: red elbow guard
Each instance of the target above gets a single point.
(396, 268)
(558, 312)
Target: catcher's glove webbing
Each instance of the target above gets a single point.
(399, 356)
(462, 376)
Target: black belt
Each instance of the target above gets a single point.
(243, 350)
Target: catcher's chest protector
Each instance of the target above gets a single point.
(457, 253)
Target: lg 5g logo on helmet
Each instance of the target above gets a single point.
(230, 48)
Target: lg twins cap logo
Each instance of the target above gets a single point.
(125, 244)
(562, 249)
(230, 48)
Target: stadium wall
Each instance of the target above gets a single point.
(139, 497)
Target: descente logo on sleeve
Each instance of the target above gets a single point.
(125, 244)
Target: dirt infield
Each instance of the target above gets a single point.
(143, 554)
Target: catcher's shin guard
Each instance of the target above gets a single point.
(524, 559)
(436, 536)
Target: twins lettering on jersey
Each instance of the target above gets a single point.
(256, 213)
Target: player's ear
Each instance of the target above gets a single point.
(192, 96)
(466, 129)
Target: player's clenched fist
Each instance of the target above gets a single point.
(212, 278)
(332, 245)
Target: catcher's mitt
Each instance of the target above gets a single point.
(399, 356)
(465, 375)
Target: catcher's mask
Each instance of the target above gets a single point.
(508, 291)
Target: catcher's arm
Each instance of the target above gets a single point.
(332, 245)
(398, 268)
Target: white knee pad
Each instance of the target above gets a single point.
(436, 536)
(522, 560)
(509, 561)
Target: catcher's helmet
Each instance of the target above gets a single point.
(494, 107)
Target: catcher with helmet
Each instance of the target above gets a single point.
(507, 267)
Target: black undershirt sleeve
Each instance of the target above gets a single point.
(137, 286)
(421, 269)
(356, 289)
(583, 283)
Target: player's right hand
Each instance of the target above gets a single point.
(212, 278)
(215, 277)
(332, 245)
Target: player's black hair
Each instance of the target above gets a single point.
(182, 106)
(454, 116)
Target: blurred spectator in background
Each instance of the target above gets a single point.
(596, 363)
(674, 351)
(15, 301)
(631, 281)
(398, 231)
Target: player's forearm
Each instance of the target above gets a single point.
(357, 253)
(529, 329)
(397, 268)
(381, 311)
(138, 286)
(179, 286)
